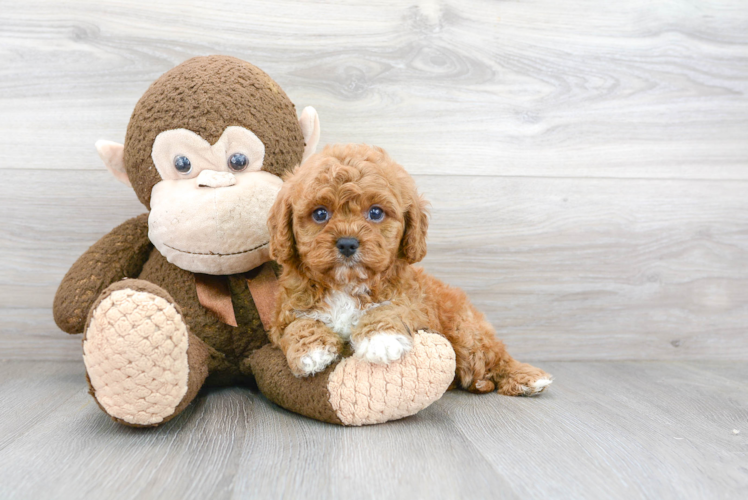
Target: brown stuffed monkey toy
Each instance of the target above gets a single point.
(181, 296)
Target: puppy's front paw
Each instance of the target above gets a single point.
(312, 361)
(383, 348)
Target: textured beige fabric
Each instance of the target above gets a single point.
(213, 179)
(363, 393)
(216, 231)
(135, 354)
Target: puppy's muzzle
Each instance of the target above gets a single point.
(347, 246)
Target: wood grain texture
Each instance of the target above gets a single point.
(564, 268)
(587, 164)
(606, 430)
(582, 88)
(586, 161)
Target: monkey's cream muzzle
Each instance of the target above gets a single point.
(211, 220)
(213, 230)
(213, 179)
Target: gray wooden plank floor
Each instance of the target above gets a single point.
(605, 430)
(587, 164)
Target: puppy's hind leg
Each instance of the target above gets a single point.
(522, 379)
(493, 368)
(483, 364)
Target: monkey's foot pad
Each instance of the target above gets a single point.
(363, 393)
(135, 351)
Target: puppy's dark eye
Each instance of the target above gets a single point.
(376, 214)
(238, 162)
(320, 215)
(182, 164)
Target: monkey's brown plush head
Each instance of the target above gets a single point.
(204, 151)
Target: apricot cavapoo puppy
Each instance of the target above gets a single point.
(346, 226)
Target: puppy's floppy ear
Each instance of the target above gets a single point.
(280, 225)
(413, 245)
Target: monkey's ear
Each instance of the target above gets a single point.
(113, 156)
(309, 122)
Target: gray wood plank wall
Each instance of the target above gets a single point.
(587, 161)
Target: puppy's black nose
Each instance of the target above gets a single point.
(347, 246)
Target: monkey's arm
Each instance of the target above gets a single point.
(354, 391)
(119, 254)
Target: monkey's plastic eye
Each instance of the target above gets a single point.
(238, 162)
(182, 164)
(376, 214)
(320, 215)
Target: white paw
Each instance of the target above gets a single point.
(537, 387)
(383, 347)
(316, 360)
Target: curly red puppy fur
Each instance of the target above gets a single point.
(347, 227)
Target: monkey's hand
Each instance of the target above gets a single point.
(119, 254)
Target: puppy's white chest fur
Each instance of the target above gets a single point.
(340, 311)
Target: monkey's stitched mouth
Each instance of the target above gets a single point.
(219, 254)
